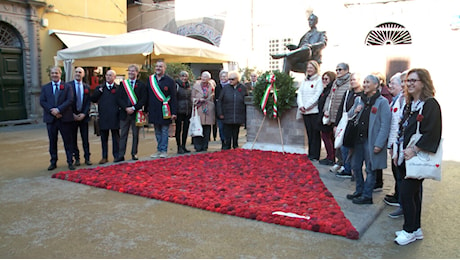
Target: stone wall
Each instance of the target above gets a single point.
(293, 130)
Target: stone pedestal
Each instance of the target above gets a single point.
(293, 130)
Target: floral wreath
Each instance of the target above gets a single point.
(276, 91)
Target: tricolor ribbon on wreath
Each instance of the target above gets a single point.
(270, 79)
(161, 96)
(140, 116)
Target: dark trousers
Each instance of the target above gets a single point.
(231, 133)
(328, 140)
(411, 193)
(129, 122)
(313, 135)
(379, 178)
(115, 142)
(65, 128)
(398, 180)
(201, 142)
(83, 126)
(182, 125)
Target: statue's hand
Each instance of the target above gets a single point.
(291, 47)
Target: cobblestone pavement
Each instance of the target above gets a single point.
(41, 217)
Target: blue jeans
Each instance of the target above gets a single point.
(162, 135)
(220, 125)
(361, 153)
(346, 161)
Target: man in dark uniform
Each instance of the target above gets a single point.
(131, 99)
(81, 104)
(309, 48)
(109, 114)
(56, 99)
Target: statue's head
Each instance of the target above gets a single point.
(312, 20)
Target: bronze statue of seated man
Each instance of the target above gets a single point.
(309, 48)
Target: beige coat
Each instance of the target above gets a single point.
(205, 103)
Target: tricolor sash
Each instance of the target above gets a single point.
(161, 96)
(140, 117)
(270, 87)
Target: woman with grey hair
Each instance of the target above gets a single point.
(184, 111)
(203, 99)
(374, 117)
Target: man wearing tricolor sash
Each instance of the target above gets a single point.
(161, 106)
(131, 100)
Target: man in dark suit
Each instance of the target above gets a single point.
(162, 106)
(81, 104)
(252, 83)
(56, 100)
(109, 114)
(131, 99)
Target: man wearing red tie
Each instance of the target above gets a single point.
(56, 100)
(80, 109)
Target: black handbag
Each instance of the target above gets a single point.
(351, 133)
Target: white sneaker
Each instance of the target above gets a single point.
(417, 233)
(405, 238)
(334, 168)
(155, 155)
(163, 155)
(341, 169)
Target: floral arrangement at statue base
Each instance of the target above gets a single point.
(277, 188)
(274, 93)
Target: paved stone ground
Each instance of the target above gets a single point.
(41, 217)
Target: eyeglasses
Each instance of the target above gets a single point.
(339, 69)
(231, 78)
(411, 81)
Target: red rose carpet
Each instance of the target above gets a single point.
(278, 188)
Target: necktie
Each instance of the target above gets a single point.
(56, 93)
(79, 101)
(132, 83)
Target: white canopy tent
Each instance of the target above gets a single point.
(136, 46)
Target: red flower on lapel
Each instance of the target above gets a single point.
(333, 90)
(419, 117)
(113, 91)
(311, 85)
(135, 85)
(61, 87)
(395, 109)
(374, 110)
(86, 91)
(166, 88)
(239, 89)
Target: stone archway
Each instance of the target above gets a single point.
(12, 87)
(201, 31)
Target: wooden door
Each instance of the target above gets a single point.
(12, 93)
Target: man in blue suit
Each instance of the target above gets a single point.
(56, 98)
(81, 104)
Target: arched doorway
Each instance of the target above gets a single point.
(12, 93)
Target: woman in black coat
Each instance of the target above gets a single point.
(232, 110)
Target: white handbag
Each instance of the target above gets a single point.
(195, 128)
(340, 130)
(424, 165)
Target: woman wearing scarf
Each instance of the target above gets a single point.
(374, 117)
(184, 111)
(203, 99)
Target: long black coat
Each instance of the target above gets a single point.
(123, 101)
(154, 106)
(109, 112)
(231, 104)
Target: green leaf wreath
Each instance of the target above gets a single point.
(285, 89)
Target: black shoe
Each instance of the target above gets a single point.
(326, 162)
(378, 187)
(344, 175)
(312, 159)
(185, 149)
(77, 162)
(134, 157)
(392, 201)
(362, 200)
(354, 195)
(180, 150)
(71, 167)
(88, 162)
(52, 167)
(119, 159)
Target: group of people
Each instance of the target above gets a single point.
(133, 104)
(384, 125)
